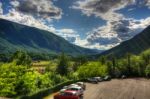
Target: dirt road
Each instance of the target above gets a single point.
(118, 89)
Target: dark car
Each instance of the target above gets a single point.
(107, 78)
(92, 80)
(99, 79)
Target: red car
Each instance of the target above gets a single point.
(68, 94)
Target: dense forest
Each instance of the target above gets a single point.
(18, 77)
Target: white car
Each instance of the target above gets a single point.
(76, 88)
(81, 84)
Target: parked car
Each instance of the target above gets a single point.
(62, 90)
(81, 84)
(68, 94)
(65, 87)
(92, 80)
(74, 85)
(99, 79)
(107, 78)
(78, 89)
(123, 76)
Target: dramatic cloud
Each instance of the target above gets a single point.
(118, 28)
(148, 3)
(28, 20)
(1, 9)
(113, 34)
(102, 8)
(39, 8)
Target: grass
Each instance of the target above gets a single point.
(51, 64)
(40, 63)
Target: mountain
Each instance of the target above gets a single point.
(14, 36)
(136, 45)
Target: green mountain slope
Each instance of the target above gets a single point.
(14, 36)
(136, 45)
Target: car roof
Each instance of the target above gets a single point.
(80, 83)
(77, 87)
(73, 85)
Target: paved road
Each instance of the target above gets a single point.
(118, 89)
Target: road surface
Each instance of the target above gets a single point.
(137, 88)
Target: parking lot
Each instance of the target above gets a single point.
(118, 89)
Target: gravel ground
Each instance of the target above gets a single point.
(135, 88)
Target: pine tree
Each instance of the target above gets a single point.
(62, 67)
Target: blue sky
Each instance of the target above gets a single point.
(97, 24)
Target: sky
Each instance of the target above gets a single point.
(95, 24)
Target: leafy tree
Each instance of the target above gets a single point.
(147, 71)
(21, 58)
(28, 83)
(109, 67)
(80, 60)
(146, 57)
(92, 69)
(63, 65)
(9, 75)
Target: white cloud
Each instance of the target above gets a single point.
(140, 24)
(147, 2)
(40, 8)
(68, 31)
(86, 44)
(69, 34)
(15, 3)
(28, 20)
(118, 28)
(104, 9)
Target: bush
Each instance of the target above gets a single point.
(92, 69)
(9, 74)
(147, 71)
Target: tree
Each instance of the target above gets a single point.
(109, 68)
(81, 59)
(114, 64)
(147, 71)
(102, 59)
(128, 56)
(21, 58)
(10, 74)
(92, 69)
(63, 65)
(146, 57)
